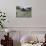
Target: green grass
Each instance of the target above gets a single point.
(23, 14)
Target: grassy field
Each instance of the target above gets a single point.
(20, 13)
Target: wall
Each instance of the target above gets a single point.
(38, 14)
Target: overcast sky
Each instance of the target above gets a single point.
(24, 3)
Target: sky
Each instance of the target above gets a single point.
(24, 3)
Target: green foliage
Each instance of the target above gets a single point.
(2, 18)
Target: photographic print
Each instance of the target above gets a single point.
(24, 8)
